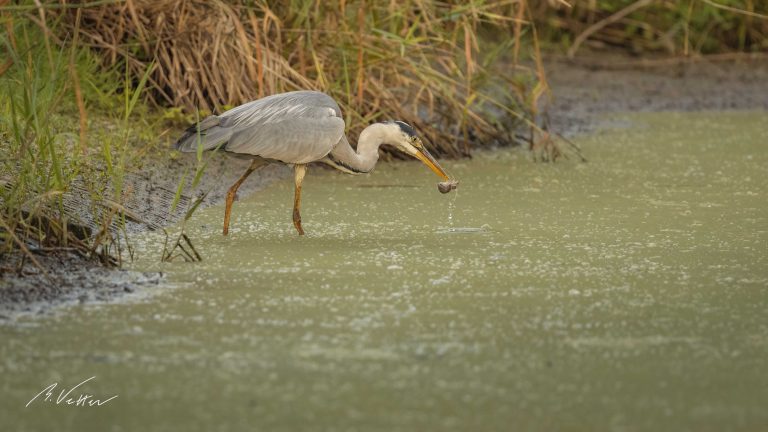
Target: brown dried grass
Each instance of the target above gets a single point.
(415, 60)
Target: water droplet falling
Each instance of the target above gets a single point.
(451, 205)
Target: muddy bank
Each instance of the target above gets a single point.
(69, 279)
(587, 89)
(583, 93)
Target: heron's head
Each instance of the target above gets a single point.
(406, 141)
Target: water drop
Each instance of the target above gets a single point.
(451, 205)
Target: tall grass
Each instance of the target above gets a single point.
(415, 60)
(60, 190)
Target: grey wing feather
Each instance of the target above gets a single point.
(206, 133)
(296, 127)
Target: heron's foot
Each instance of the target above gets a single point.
(297, 221)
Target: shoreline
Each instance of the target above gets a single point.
(583, 94)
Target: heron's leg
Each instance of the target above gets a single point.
(300, 169)
(232, 192)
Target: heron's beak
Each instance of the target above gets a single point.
(423, 155)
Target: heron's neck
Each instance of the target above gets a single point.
(364, 159)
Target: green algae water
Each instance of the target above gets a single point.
(629, 293)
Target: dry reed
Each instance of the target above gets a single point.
(414, 60)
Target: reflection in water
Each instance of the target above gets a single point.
(624, 294)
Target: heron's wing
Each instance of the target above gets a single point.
(206, 133)
(297, 127)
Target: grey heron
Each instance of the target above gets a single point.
(298, 128)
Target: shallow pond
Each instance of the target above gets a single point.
(627, 293)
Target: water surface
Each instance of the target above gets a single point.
(627, 293)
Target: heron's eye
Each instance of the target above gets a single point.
(416, 142)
